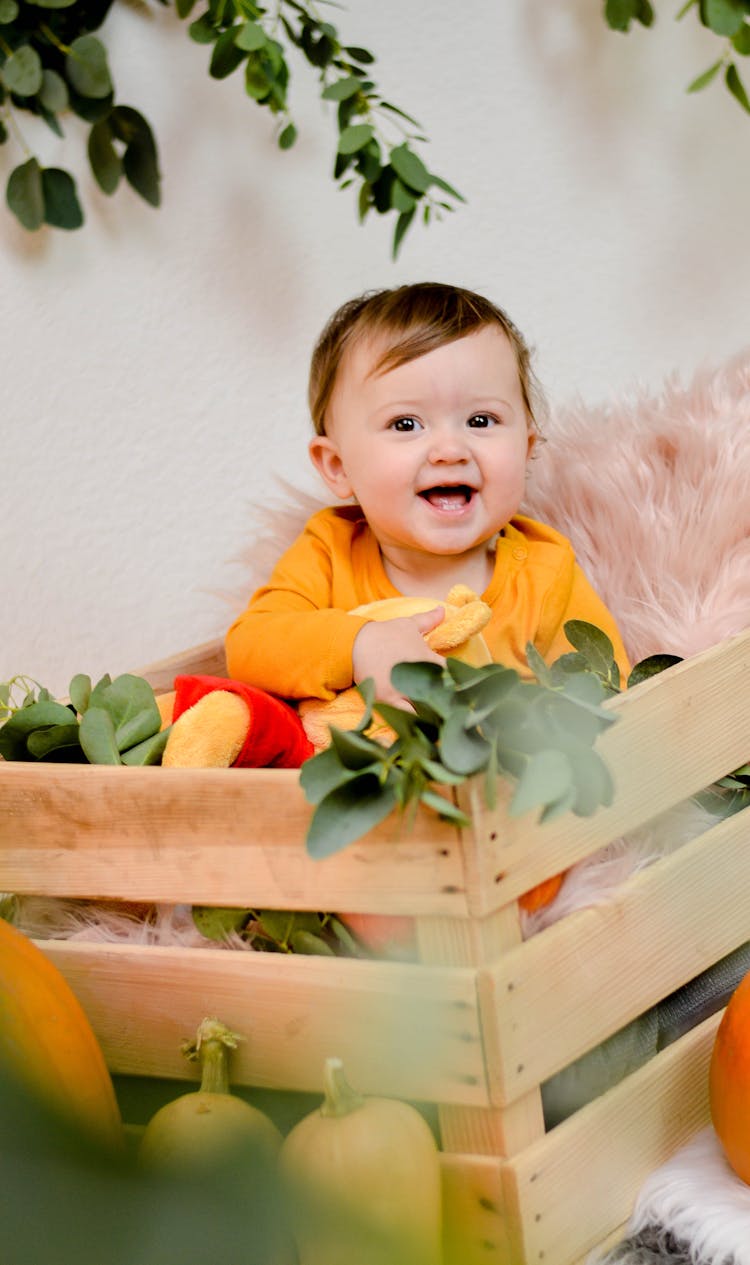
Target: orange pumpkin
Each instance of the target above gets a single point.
(46, 1040)
(729, 1081)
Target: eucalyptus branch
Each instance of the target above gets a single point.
(728, 20)
(51, 62)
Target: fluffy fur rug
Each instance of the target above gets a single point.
(652, 491)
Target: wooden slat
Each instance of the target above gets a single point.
(210, 836)
(572, 1189)
(475, 1227)
(472, 943)
(665, 925)
(674, 735)
(208, 658)
(402, 1030)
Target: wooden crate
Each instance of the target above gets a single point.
(483, 1018)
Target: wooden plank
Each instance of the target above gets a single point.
(208, 658)
(569, 1191)
(475, 1232)
(210, 836)
(473, 943)
(403, 1030)
(674, 735)
(627, 953)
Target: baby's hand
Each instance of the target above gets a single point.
(381, 644)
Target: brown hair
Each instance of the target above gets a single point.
(415, 319)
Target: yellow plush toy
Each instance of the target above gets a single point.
(212, 731)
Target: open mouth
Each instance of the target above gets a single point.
(451, 497)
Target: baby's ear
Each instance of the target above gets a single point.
(326, 458)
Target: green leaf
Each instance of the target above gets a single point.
(140, 161)
(184, 8)
(308, 942)
(401, 199)
(725, 17)
(355, 137)
(91, 109)
(8, 12)
(402, 722)
(342, 89)
(447, 188)
(321, 773)
(79, 691)
(130, 703)
(52, 4)
(462, 748)
(54, 92)
(445, 807)
(736, 86)
(360, 55)
(537, 665)
(44, 741)
(410, 168)
(345, 937)
(287, 136)
(32, 716)
(250, 37)
(402, 224)
(705, 79)
(619, 14)
(354, 750)
(106, 163)
(348, 812)
(548, 777)
(741, 41)
(97, 737)
(257, 83)
(24, 194)
(202, 30)
(651, 666)
(87, 69)
(136, 729)
(227, 54)
(22, 72)
(61, 206)
(218, 924)
(148, 752)
(593, 644)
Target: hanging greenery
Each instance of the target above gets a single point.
(728, 19)
(51, 64)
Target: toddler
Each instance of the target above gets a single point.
(423, 401)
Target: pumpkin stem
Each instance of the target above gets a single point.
(211, 1047)
(340, 1099)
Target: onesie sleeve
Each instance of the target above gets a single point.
(289, 640)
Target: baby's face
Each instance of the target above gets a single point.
(434, 450)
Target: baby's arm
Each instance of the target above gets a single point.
(380, 645)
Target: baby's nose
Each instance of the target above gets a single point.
(448, 445)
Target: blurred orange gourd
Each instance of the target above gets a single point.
(47, 1043)
(729, 1081)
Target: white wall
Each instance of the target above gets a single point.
(154, 363)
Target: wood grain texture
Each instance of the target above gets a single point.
(404, 1030)
(571, 1190)
(210, 836)
(564, 991)
(674, 735)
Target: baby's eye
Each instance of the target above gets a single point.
(405, 425)
(481, 421)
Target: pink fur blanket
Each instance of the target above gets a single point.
(653, 492)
